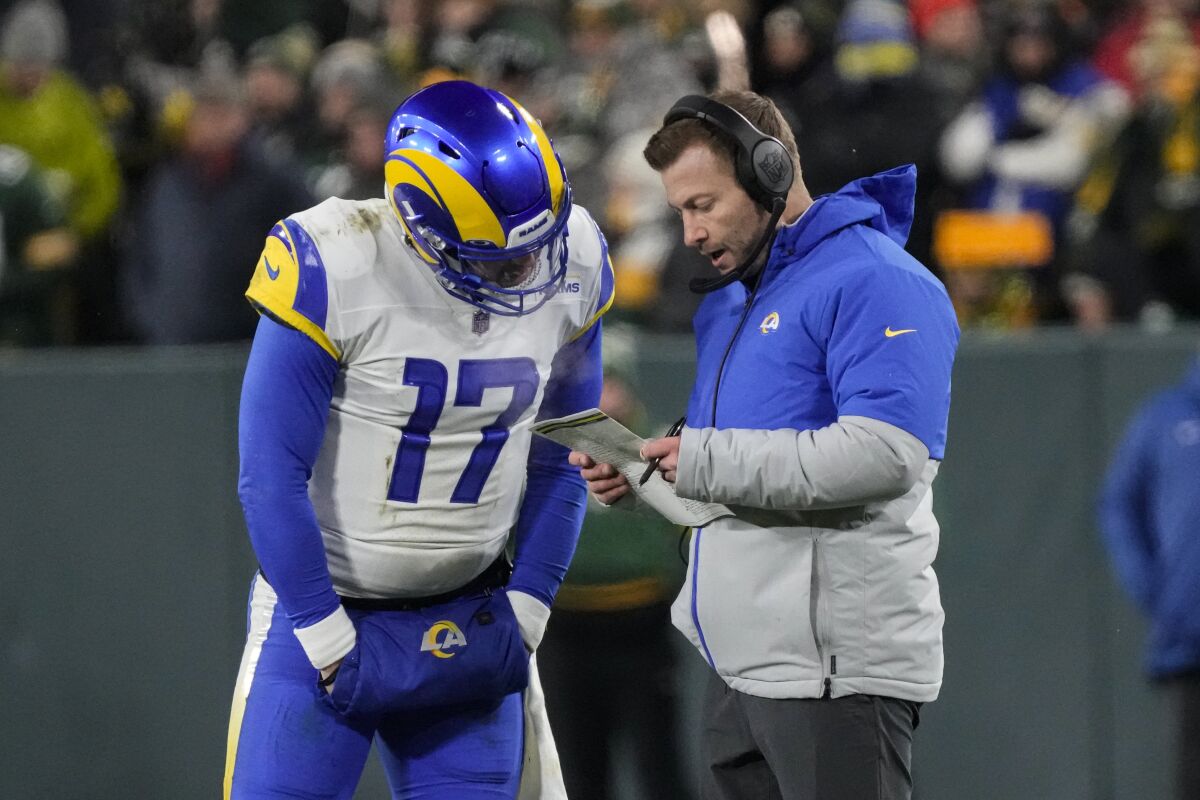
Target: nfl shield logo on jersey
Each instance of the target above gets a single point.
(480, 322)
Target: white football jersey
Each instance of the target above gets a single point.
(422, 470)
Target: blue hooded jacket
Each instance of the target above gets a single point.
(845, 326)
(844, 322)
(1150, 516)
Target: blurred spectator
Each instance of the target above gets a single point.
(457, 25)
(36, 251)
(276, 77)
(868, 84)
(873, 109)
(1137, 225)
(954, 54)
(158, 49)
(795, 40)
(640, 231)
(607, 662)
(1150, 515)
(509, 61)
(651, 266)
(92, 30)
(607, 110)
(346, 74)
(358, 174)
(402, 40)
(1023, 146)
(604, 93)
(242, 23)
(166, 32)
(639, 49)
(533, 26)
(48, 114)
(200, 226)
(1112, 54)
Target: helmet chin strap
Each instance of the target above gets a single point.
(747, 269)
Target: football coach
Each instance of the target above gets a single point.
(818, 414)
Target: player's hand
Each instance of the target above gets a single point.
(604, 481)
(667, 450)
(330, 672)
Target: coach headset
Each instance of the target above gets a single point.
(761, 164)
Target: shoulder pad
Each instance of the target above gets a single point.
(591, 265)
(290, 283)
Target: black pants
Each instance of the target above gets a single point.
(853, 748)
(1185, 691)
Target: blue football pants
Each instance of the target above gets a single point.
(284, 742)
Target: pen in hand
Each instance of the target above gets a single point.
(674, 430)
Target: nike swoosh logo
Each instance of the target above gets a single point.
(272, 272)
(888, 332)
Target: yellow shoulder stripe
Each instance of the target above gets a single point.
(275, 285)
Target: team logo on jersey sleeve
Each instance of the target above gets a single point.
(278, 259)
(770, 323)
(434, 642)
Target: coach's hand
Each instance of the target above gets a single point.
(666, 450)
(604, 481)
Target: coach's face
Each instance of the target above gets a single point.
(719, 218)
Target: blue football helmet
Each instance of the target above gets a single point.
(481, 194)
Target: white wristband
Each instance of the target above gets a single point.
(328, 640)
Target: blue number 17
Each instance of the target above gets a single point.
(474, 377)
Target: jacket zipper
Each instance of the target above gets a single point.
(713, 422)
(828, 664)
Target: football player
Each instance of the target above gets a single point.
(405, 347)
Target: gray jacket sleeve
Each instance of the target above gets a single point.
(854, 461)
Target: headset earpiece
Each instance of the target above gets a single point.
(762, 165)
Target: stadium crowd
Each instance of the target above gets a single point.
(146, 147)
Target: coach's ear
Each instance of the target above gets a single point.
(532, 615)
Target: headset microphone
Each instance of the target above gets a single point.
(761, 164)
(747, 270)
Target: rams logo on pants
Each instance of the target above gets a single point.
(454, 638)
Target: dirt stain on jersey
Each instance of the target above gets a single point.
(365, 220)
(387, 484)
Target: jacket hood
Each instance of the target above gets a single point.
(883, 201)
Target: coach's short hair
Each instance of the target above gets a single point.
(669, 141)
